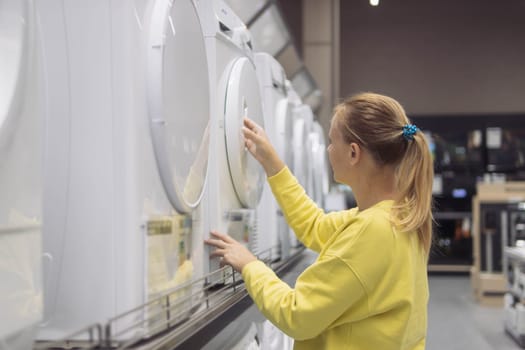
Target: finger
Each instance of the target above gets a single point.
(253, 136)
(248, 133)
(215, 243)
(250, 124)
(218, 253)
(222, 237)
(249, 140)
(218, 235)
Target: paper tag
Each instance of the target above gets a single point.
(493, 138)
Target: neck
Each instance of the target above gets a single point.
(371, 190)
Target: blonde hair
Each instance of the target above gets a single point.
(376, 123)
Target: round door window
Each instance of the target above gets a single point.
(179, 101)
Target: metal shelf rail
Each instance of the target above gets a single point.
(171, 319)
(91, 339)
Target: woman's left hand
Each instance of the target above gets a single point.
(230, 251)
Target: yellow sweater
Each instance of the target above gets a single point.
(367, 290)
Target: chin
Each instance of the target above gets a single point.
(341, 181)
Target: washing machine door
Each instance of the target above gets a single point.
(179, 101)
(321, 169)
(300, 148)
(243, 98)
(284, 128)
(318, 163)
(13, 55)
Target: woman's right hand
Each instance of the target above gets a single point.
(259, 146)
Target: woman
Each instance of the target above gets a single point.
(368, 288)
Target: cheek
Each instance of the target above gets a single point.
(332, 159)
(329, 151)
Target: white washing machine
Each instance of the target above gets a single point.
(302, 150)
(236, 179)
(127, 153)
(302, 154)
(304, 123)
(278, 119)
(320, 170)
(20, 176)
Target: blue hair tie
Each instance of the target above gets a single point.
(409, 130)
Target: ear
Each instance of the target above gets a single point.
(354, 153)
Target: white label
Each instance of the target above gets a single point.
(493, 138)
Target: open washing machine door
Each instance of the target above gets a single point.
(243, 100)
(179, 101)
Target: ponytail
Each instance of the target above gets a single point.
(414, 176)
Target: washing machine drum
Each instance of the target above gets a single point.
(243, 98)
(13, 47)
(179, 101)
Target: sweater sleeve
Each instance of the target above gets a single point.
(322, 293)
(310, 223)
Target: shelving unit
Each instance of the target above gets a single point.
(493, 209)
(476, 148)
